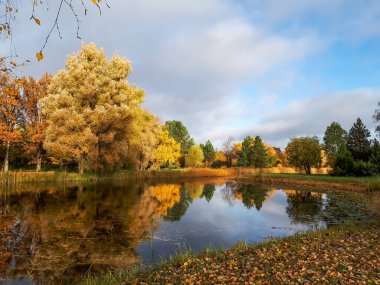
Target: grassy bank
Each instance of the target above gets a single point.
(341, 255)
(314, 181)
(52, 176)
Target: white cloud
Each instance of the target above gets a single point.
(311, 116)
(193, 57)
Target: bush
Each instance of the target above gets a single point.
(344, 164)
(364, 168)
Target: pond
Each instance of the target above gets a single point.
(56, 234)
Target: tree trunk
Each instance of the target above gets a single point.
(6, 157)
(81, 166)
(39, 162)
(308, 169)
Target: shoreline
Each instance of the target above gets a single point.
(245, 175)
(326, 256)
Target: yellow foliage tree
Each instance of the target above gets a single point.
(90, 110)
(195, 157)
(145, 140)
(167, 151)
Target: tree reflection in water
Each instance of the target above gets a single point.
(251, 195)
(304, 207)
(58, 233)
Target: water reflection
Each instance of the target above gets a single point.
(57, 233)
(304, 207)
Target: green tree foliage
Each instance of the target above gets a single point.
(244, 156)
(304, 153)
(252, 195)
(208, 152)
(358, 142)
(376, 118)
(208, 191)
(180, 134)
(375, 157)
(335, 140)
(344, 164)
(304, 207)
(194, 157)
(259, 154)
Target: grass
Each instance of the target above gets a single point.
(325, 177)
(314, 181)
(317, 181)
(52, 176)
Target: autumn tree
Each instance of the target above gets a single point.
(220, 160)
(335, 140)
(358, 142)
(144, 142)
(272, 157)
(180, 134)
(10, 114)
(90, 110)
(304, 153)
(208, 152)
(33, 123)
(195, 157)
(167, 152)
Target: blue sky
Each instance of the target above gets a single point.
(274, 68)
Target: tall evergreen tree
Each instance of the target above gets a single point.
(358, 142)
(375, 157)
(245, 155)
(180, 134)
(376, 118)
(335, 140)
(259, 154)
(208, 152)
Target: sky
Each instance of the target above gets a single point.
(274, 68)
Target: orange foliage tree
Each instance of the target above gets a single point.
(10, 114)
(33, 122)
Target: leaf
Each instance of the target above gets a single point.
(94, 1)
(38, 22)
(39, 56)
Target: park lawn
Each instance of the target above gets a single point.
(316, 181)
(325, 177)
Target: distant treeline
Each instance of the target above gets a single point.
(88, 118)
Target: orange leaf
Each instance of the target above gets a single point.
(39, 55)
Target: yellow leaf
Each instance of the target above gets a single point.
(38, 22)
(39, 55)
(94, 1)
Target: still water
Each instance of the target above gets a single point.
(55, 234)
